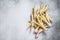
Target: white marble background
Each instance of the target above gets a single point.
(15, 14)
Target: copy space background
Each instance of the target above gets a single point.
(15, 14)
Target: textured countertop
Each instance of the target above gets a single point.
(15, 14)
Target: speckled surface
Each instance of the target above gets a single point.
(15, 14)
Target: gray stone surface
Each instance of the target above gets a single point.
(15, 14)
